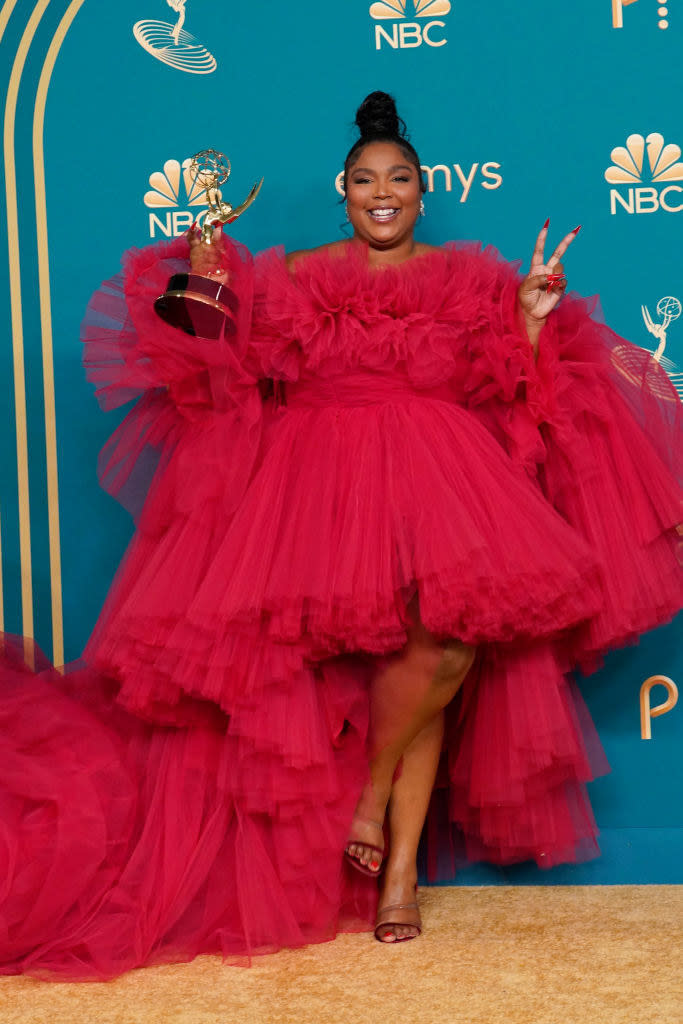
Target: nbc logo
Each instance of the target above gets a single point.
(172, 45)
(626, 171)
(163, 197)
(403, 34)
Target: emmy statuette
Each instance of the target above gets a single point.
(199, 305)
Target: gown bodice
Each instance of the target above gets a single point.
(420, 321)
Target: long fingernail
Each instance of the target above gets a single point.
(576, 230)
(547, 223)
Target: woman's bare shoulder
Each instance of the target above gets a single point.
(331, 248)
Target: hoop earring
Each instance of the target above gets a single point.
(422, 208)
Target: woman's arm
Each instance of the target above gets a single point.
(532, 328)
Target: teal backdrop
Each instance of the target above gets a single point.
(519, 112)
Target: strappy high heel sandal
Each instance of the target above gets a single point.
(374, 868)
(385, 921)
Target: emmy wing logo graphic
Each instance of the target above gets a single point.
(627, 170)
(403, 34)
(172, 45)
(650, 367)
(163, 198)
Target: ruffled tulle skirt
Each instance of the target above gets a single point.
(125, 844)
(222, 831)
(367, 495)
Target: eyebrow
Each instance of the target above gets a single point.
(396, 167)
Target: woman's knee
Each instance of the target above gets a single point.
(455, 661)
(444, 666)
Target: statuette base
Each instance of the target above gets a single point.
(199, 306)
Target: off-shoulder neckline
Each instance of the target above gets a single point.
(350, 251)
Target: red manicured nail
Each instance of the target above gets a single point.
(576, 230)
(546, 223)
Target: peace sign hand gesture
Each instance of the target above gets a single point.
(545, 284)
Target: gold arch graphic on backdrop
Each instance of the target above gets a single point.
(17, 316)
(46, 330)
(5, 15)
(14, 259)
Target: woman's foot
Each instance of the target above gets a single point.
(365, 848)
(398, 916)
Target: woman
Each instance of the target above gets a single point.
(315, 578)
(383, 192)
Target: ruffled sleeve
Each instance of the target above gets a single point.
(596, 423)
(183, 386)
(479, 303)
(280, 319)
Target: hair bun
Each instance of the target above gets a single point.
(377, 118)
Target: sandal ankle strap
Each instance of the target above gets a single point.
(368, 821)
(397, 906)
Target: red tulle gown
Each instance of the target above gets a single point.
(189, 786)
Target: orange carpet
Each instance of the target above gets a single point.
(494, 955)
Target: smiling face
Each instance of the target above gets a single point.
(383, 192)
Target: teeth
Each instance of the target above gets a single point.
(382, 214)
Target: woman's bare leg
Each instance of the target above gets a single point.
(408, 806)
(406, 695)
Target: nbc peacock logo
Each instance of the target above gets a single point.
(172, 45)
(627, 171)
(164, 199)
(394, 29)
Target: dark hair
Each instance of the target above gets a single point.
(378, 121)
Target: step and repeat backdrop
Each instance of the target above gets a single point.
(519, 111)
